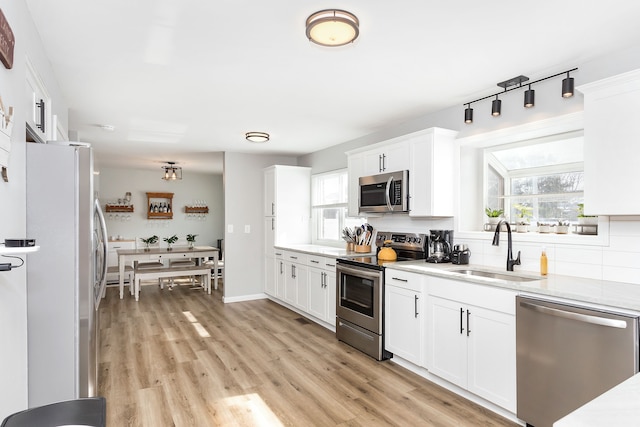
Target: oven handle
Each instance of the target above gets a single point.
(360, 272)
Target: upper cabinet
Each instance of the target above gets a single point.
(611, 149)
(389, 158)
(428, 155)
(39, 118)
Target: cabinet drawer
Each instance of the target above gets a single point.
(295, 257)
(321, 262)
(404, 279)
(488, 297)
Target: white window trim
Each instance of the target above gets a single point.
(543, 128)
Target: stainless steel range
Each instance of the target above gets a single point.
(360, 293)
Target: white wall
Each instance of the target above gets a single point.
(114, 183)
(244, 194)
(13, 311)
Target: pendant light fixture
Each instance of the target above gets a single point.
(332, 27)
(529, 95)
(496, 107)
(529, 98)
(567, 86)
(172, 172)
(256, 136)
(468, 114)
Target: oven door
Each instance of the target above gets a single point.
(359, 296)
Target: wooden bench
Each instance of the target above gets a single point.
(164, 272)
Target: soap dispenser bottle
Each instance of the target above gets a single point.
(543, 262)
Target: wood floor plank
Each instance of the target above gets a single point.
(184, 358)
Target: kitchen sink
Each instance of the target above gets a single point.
(496, 275)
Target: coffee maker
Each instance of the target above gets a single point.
(440, 245)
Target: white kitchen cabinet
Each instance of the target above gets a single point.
(287, 210)
(471, 339)
(280, 272)
(611, 149)
(296, 280)
(428, 155)
(404, 328)
(390, 157)
(38, 116)
(431, 173)
(322, 288)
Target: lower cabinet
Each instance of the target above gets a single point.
(472, 339)
(306, 282)
(405, 315)
(322, 288)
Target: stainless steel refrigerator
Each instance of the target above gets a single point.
(66, 278)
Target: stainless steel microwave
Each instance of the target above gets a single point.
(387, 192)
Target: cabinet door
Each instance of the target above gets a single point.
(447, 340)
(290, 283)
(492, 356)
(317, 293)
(391, 158)
(281, 275)
(403, 323)
(269, 235)
(331, 286)
(270, 276)
(269, 208)
(302, 284)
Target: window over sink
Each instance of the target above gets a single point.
(329, 196)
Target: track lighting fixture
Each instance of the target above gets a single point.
(496, 107)
(468, 114)
(567, 86)
(529, 95)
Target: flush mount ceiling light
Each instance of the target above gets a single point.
(172, 172)
(529, 95)
(257, 136)
(332, 27)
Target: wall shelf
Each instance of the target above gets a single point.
(118, 208)
(158, 201)
(18, 250)
(196, 209)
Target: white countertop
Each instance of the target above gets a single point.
(619, 406)
(617, 295)
(328, 251)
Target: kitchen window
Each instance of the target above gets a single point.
(329, 207)
(540, 180)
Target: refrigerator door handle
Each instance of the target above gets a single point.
(105, 248)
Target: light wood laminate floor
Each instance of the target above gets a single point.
(183, 358)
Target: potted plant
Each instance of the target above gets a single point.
(585, 219)
(562, 227)
(544, 227)
(523, 215)
(149, 241)
(170, 241)
(494, 215)
(191, 238)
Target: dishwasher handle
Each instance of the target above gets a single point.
(586, 318)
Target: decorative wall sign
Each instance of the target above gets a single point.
(7, 42)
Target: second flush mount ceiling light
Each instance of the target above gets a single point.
(332, 27)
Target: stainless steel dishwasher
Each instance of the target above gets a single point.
(568, 355)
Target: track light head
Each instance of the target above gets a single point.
(567, 87)
(529, 97)
(468, 114)
(496, 107)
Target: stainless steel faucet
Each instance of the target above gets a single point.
(496, 242)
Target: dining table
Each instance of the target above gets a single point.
(199, 253)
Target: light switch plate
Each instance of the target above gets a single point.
(247, 229)
(230, 228)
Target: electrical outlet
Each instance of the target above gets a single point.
(247, 229)
(230, 228)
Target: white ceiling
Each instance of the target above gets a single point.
(183, 80)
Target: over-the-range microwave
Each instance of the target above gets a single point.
(387, 192)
